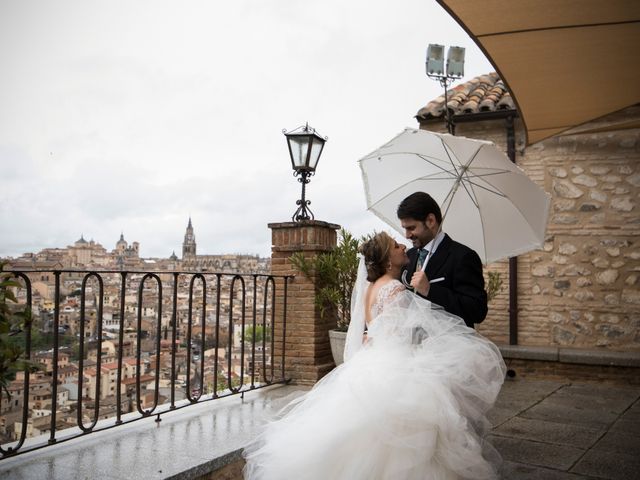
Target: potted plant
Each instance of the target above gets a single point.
(334, 273)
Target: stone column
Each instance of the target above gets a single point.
(308, 354)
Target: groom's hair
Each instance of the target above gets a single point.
(418, 206)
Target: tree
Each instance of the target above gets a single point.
(260, 334)
(12, 325)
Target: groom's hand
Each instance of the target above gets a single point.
(420, 283)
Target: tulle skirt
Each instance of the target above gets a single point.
(409, 405)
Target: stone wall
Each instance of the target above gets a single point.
(581, 289)
(572, 372)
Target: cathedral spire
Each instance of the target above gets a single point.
(189, 244)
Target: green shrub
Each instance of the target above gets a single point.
(334, 273)
(12, 326)
(494, 285)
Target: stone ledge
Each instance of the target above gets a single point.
(523, 352)
(571, 355)
(301, 248)
(598, 357)
(305, 223)
(213, 469)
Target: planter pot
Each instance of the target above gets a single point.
(337, 339)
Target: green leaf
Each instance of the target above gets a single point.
(334, 274)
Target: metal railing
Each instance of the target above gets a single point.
(215, 303)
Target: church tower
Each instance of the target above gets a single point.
(189, 244)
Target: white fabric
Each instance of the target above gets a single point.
(407, 405)
(353, 342)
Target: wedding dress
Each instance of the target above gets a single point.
(409, 404)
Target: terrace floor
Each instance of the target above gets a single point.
(551, 430)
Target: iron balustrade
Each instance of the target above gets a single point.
(271, 289)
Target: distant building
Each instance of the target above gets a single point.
(81, 254)
(189, 244)
(218, 263)
(126, 256)
(85, 254)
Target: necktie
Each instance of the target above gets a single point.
(422, 254)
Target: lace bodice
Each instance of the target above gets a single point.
(386, 294)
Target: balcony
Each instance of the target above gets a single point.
(223, 336)
(547, 423)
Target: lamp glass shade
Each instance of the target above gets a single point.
(305, 149)
(298, 148)
(435, 59)
(316, 151)
(455, 62)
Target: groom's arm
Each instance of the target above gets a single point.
(464, 295)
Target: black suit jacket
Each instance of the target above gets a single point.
(462, 290)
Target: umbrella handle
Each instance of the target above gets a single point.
(404, 280)
(423, 267)
(406, 283)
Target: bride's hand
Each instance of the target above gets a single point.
(420, 283)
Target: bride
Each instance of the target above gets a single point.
(409, 401)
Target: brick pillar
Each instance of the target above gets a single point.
(308, 354)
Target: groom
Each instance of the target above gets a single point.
(453, 276)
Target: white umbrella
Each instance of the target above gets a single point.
(487, 202)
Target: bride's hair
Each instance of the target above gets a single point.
(376, 254)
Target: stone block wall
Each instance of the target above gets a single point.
(582, 289)
(573, 372)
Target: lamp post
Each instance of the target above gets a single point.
(305, 148)
(454, 70)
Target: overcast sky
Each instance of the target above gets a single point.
(131, 116)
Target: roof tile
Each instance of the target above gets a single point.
(484, 93)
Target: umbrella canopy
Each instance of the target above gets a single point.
(487, 202)
(565, 62)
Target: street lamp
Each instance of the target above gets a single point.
(305, 148)
(454, 70)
